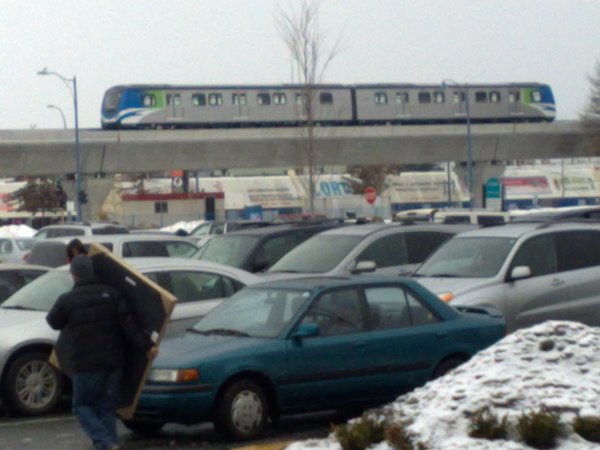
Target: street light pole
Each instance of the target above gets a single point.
(62, 114)
(68, 82)
(465, 86)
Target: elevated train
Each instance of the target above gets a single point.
(166, 106)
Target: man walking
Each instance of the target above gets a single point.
(92, 317)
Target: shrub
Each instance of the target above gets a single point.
(359, 434)
(588, 428)
(486, 425)
(540, 429)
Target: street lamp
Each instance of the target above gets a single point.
(61, 114)
(465, 86)
(72, 82)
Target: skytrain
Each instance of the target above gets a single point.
(149, 106)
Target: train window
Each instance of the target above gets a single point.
(401, 97)
(263, 99)
(380, 98)
(173, 99)
(439, 97)
(149, 100)
(424, 97)
(326, 98)
(279, 98)
(495, 97)
(300, 98)
(514, 97)
(536, 96)
(198, 99)
(215, 99)
(239, 99)
(458, 97)
(481, 97)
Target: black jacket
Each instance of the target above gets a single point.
(98, 324)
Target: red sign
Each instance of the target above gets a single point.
(370, 195)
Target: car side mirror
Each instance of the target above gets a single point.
(364, 266)
(520, 272)
(305, 330)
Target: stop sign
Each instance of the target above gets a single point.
(370, 194)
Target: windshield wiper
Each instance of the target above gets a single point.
(225, 332)
(193, 330)
(20, 308)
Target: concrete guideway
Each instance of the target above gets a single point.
(51, 152)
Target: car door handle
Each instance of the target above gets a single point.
(359, 344)
(441, 335)
(557, 282)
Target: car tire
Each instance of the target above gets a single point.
(242, 411)
(32, 387)
(446, 366)
(143, 427)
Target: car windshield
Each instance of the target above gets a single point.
(318, 254)
(41, 293)
(468, 257)
(230, 250)
(254, 313)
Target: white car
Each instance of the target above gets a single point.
(30, 386)
(15, 249)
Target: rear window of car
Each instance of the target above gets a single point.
(144, 248)
(230, 249)
(25, 244)
(62, 232)
(110, 230)
(51, 254)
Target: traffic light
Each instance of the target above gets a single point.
(83, 197)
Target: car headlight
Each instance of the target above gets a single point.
(446, 296)
(174, 375)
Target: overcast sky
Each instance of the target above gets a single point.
(111, 42)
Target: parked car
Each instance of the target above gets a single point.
(530, 272)
(222, 227)
(257, 249)
(15, 249)
(386, 249)
(80, 229)
(29, 385)
(307, 344)
(52, 252)
(570, 213)
(14, 276)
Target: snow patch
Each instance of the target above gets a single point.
(554, 364)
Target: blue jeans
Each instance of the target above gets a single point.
(95, 400)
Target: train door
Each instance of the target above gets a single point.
(402, 104)
(514, 102)
(174, 106)
(240, 105)
(459, 101)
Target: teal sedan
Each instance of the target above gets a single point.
(307, 344)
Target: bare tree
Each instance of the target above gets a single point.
(301, 32)
(591, 117)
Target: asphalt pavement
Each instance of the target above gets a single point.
(61, 431)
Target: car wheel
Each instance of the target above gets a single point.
(242, 411)
(33, 387)
(144, 427)
(446, 366)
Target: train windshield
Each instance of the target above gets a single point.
(111, 100)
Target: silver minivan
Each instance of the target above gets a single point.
(529, 272)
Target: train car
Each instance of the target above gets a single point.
(414, 104)
(165, 106)
(153, 106)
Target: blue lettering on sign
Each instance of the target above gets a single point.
(334, 188)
